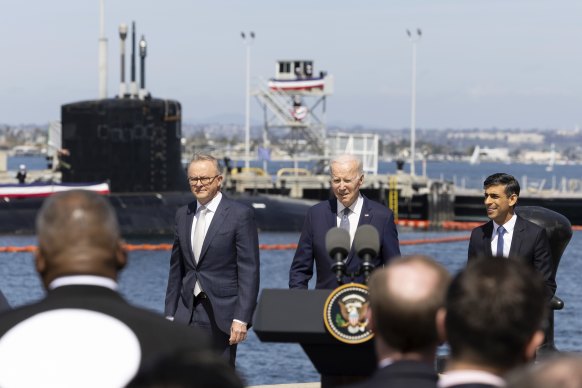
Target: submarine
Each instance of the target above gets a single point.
(132, 143)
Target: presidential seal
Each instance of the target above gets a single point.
(344, 313)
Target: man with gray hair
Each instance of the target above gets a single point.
(348, 210)
(83, 333)
(213, 281)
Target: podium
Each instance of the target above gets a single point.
(297, 316)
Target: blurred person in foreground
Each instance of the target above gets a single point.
(492, 321)
(405, 297)
(509, 235)
(213, 281)
(562, 371)
(188, 370)
(82, 333)
(347, 210)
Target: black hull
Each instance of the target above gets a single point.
(150, 214)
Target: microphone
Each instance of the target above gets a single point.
(367, 245)
(337, 244)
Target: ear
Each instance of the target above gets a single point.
(121, 255)
(39, 261)
(535, 341)
(440, 317)
(512, 199)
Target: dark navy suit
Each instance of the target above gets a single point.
(321, 218)
(529, 243)
(228, 269)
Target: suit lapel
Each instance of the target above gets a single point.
(367, 214)
(187, 228)
(487, 236)
(215, 225)
(517, 237)
(365, 218)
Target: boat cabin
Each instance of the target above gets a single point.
(294, 70)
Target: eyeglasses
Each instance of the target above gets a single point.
(204, 180)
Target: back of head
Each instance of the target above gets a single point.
(77, 233)
(511, 184)
(494, 307)
(188, 370)
(563, 371)
(404, 298)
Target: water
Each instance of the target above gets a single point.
(143, 283)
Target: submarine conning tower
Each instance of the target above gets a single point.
(133, 144)
(132, 141)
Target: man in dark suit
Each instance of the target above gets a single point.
(405, 298)
(83, 333)
(509, 235)
(349, 209)
(494, 311)
(214, 267)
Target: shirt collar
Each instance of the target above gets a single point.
(213, 204)
(354, 207)
(457, 377)
(508, 226)
(83, 280)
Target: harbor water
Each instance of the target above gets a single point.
(143, 283)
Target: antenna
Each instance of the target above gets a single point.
(102, 53)
(133, 86)
(122, 36)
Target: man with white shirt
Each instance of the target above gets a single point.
(83, 333)
(348, 210)
(213, 281)
(405, 298)
(509, 235)
(493, 317)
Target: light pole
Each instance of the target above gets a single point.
(248, 40)
(414, 38)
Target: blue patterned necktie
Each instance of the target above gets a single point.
(345, 221)
(500, 233)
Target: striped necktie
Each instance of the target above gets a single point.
(345, 221)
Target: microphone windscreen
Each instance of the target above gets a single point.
(367, 241)
(337, 240)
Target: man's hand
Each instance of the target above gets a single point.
(238, 333)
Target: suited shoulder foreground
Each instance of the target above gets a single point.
(83, 333)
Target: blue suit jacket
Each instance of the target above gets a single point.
(529, 243)
(321, 218)
(228, 269)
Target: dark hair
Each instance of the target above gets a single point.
(494, 307)
(511, 184)
(408, 324)
(187, 369)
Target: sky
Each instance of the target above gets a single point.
(480, 63)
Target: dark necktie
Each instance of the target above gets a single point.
(345, 221)
(500, 233)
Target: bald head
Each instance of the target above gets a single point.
(405, 297)
(78, 234)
